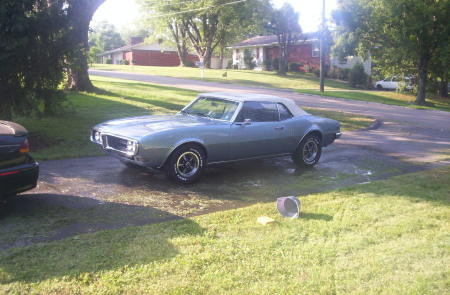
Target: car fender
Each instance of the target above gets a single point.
(312, 128)
(180, 143)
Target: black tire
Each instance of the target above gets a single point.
(379, 87)
(308, 151)
(185, 165)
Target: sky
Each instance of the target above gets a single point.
(122, 13)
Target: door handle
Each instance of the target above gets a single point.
(279, 128)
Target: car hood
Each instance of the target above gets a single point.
(137, 127)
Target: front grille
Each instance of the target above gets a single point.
(114, 142)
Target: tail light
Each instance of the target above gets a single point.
(25, 147)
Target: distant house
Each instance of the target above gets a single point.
(139, 53)
(266, 48)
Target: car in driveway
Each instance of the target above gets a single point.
(18, 170)
(217, 128)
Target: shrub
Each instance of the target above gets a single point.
(357, 76)
(248, 60)
(230, 64)
(295, 66)
(126, 62)
(268, 64)
(316, 72)
(275, 64)
(190, 64)
(308, 68)
(109, 61)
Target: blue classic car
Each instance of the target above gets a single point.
(216, 128)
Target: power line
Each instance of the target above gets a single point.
(197, 9)
(172, 3)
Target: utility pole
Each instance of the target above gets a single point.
(322, 57)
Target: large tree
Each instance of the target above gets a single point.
(206, 25)
(80, 14)
(401, 34)
(284, 24)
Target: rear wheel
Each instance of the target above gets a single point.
(308, 152)
(185, 164)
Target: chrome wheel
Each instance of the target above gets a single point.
(310, 150)
(188, 164)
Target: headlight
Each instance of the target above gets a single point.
(97, 137)
(131, 146)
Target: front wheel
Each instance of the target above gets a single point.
(379, 87)
(308, 152)
(186, 164)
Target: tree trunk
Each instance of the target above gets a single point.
(443, 87)
(422, 79)
(80, 13)
(222, 56)
(282, 67)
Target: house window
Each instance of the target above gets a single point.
(257, 53)
(315, 50)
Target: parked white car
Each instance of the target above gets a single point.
(392, 83)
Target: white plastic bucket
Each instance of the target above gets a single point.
(289, 206)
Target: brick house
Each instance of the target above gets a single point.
(139, 53)
(263, 48)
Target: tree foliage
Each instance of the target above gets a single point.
(102, 37)
(33, 46)
(204, 26)
(406, 36)
(284, 24)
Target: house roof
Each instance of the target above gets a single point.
(271, 40)
(140, 46)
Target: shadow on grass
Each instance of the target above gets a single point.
(315, 216)
(54, 217)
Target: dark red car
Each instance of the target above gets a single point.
(18, 170)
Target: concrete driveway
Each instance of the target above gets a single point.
(83, 195)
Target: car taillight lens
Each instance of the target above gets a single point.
(25, 147)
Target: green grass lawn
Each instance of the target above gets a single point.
(305, 83)
(256, 78)
(67, 135)
(386, 237)
(387, 97)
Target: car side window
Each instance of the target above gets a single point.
(284, 112)
(258, 112)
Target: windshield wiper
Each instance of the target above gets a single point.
(200, 114)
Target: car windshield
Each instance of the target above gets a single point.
(214, 108)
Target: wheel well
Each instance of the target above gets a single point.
(184, 144)
(318, 133)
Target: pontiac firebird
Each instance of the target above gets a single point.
(217, 128)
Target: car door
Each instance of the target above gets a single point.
(256, 131)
